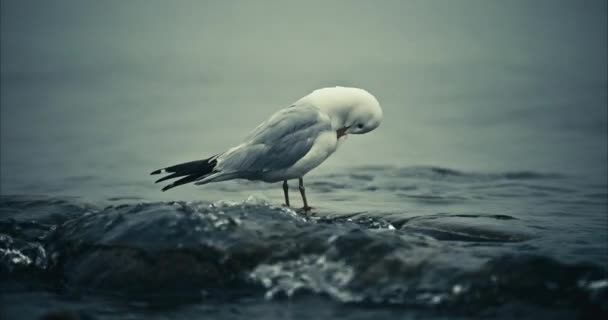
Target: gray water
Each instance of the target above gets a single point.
(482, 194)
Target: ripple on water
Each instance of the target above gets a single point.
(254, 248)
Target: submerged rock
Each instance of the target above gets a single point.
(197, 249)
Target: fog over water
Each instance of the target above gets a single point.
(491, 161)
(93, 86)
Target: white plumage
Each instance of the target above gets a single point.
(290, 143)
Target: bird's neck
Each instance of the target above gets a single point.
(339, 116)
(337, 107)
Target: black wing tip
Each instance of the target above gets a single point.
(189, 171)
(171, 176)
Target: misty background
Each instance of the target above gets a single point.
(96, 94)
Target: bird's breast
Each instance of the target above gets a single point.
(324, 145)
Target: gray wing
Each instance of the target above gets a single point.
(277, 143)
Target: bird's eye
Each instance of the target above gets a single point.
(360, 126)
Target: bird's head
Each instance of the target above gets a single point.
(351, 110)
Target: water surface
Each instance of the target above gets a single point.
(482, 194)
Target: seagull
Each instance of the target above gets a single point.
(292, 142)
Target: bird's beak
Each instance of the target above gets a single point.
(341, 132)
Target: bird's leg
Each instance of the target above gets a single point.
(303, 193)
(285, 191)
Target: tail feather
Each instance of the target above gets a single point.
(190, 171)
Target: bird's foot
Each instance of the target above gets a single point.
(306, 211)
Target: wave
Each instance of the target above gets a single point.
(252, 247)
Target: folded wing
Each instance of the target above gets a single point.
(276, 144)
